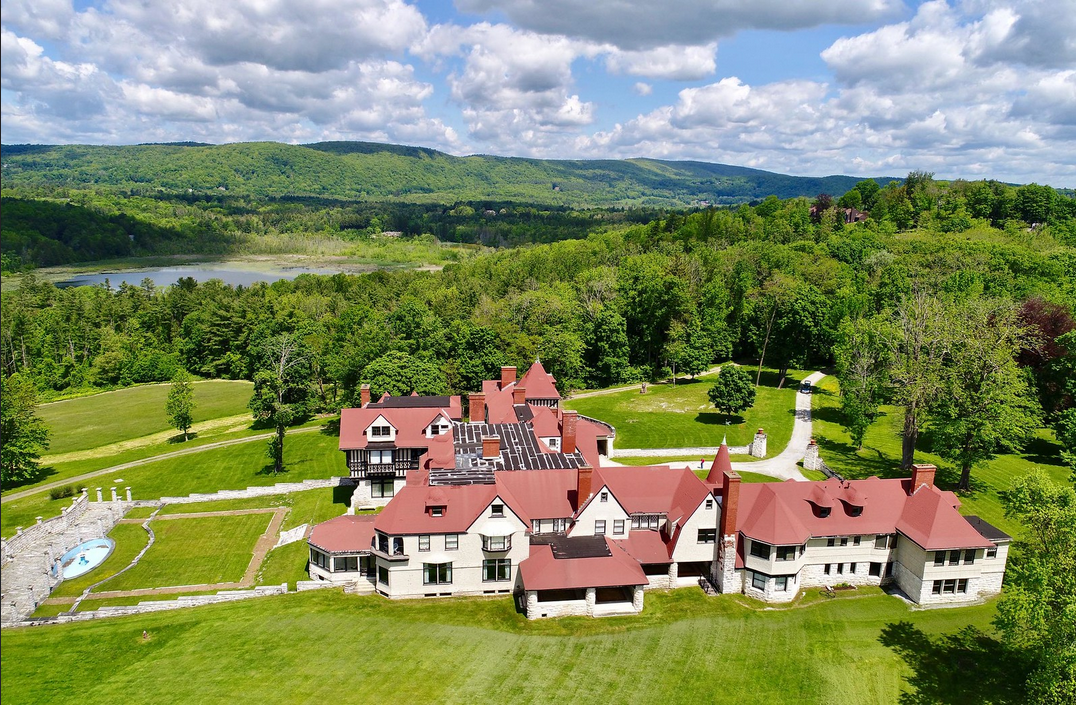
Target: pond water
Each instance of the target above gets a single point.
(229, 273)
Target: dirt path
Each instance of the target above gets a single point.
(264, 544)
(144, 461)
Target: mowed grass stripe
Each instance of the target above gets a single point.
(314, 646)
(111, 417)
(196, 551)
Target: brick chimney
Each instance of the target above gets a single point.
(364, 394)
(922, 474)
(584, 487)
(491, 447)
(730, 490)
(508, 376)
(478, 407)
(519, 395)
(567, 431)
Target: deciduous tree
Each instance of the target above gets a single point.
(399, 374)
(863, 360)
(281, 391)
(733, 391)
(23, 436)
(180, 403)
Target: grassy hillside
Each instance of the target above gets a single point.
(362, 170)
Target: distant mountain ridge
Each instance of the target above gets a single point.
(375, 171)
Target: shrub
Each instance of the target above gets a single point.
(62, 492)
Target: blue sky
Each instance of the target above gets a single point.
(963, 88)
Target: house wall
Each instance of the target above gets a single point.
(770, 593)
(405, 577)
(993, 572)
(916, 573)
(688, 549)
(609, 510)
(363, 496)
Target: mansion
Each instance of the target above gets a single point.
(516, 501)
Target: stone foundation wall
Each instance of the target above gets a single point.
(279, 488)
(24, 538)
(725, 566)
(362, 499)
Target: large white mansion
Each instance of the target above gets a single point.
(515, 501)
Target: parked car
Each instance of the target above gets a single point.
(805, 387)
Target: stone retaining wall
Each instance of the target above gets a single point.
(264, 491)
(45, 528)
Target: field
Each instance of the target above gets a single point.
(308, 455)
(684, 648)
(682, 416)
(880, 456)
(113, 417)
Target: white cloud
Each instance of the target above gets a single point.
(673, 62)
(641, 88)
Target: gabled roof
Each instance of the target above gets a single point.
(549, 494)
(645, 547)
(410, 425)
(654, 490)
(541, 571)
(931, 520)
(451, 404)
(770, 518)
(545, 422)
(344, 534)
(407, 512)
(539, 383)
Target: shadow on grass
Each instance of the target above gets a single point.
(178, 438)
(1042, 452)
(270, 469)
(342, 494)
(331, 427)
(771, 378)
(36, 475)
(967, 666)
(712, 418)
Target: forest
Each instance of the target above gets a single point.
(785, 280)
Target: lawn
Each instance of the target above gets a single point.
(685, 647)
(880, 456)
(665, 460)
(195, 551)
(306, 456)
(682, 416)
(129, 538)
(111, 417)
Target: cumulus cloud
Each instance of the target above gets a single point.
(645, 24)
(673, 62)
(641, 88)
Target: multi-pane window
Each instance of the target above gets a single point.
(962, 585)
(560, 525)
(709, 504)
(852, 568)
(645, 521)
(383, 575)
(319, 559)
(382, 487)
(496, 569)
(954, 557)
(379, 457)
(786, 553)
(939, 558)
(992, 552)
(840, 569)
(496, 510)
(948, 587)
(758, 581)
(605, 496)
(599, 527)
(855, 540)
(346, 564)
(876, 569)
(831, 542)
(618, 527)
(436, 573)
(536, 526)
(496, 543)
(452, 542)
(760, 550)
(969, 556)
(380, 431)
(383, 543)
(780, 583)
(844, 541)
(424, 542)
(707, 535)
(881, 541)
(827, 568)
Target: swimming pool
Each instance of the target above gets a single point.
(85, 557)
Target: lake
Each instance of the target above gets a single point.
(229, 273)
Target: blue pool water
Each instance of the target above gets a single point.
(85, 557)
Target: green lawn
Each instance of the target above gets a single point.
(306, 456)
(129, 538)
(664, 460)
(100, 419)
(880, 456)
(195, 552)
(682, 416)
(685, 647)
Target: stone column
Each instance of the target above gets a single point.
(758, 445)
(674, 573)
(99, 497)
(128, 494)
(637, 598)
(532, 604)
(592, 599)
(113, 494)
(725, 573)
(39, 520)
(811, 459)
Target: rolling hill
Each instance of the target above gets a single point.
(371, 171)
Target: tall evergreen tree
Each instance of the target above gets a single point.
(23, 436)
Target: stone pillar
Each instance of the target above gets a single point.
(592, 599)
(40, 519)
(674, 573)
(113, 494)
(637, 598)
(758, 445)
(811, 459)
(99, 497)
(128, 494)
(532, 604)
(642, 389)
(725, 565)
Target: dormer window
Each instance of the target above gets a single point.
(823, 512)
(855, 511)
(496, 510)
(381, 430)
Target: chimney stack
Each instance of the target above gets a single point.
(491, 447)
(922, 474)
(730, 490)
(364, 395)
(508, 376)
(584, 487)
(567, 431)
(478, 407)
(519, 395)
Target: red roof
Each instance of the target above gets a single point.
(539, 383)
(654, 490)
(645, 546)
(406, 513)
(541, 494)
(499, 403)
(541, 571)
(785, 513)
(722, 464)
(344, 534)
(545, 422)
(410, 425)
